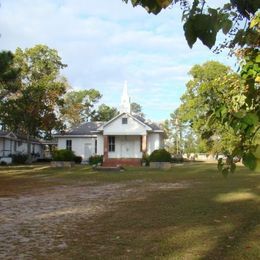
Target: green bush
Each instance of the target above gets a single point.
(95, 159)
(145, 159)
(3, 163)
(19, 158)
(63, 155)
(78, 159)
(160, 155)
(44, 160)
(177, 160)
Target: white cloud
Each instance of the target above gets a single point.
(106, 42)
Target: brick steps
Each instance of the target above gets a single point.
(113, 162)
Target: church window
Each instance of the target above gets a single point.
(111, 144)
(69, 145)
(124, 120)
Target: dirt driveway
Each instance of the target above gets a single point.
(33, 224)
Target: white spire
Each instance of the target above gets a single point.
(125, 106)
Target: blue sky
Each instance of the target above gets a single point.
(105, 43)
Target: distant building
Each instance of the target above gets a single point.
(122, 141)
(12, 143)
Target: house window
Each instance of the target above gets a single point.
(141, 143)
(69, 145)
(95, 146)
(124, 120)
(111, 144)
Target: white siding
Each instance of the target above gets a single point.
(132, 127)
(78, 145)
(21, 147)
(8, 147)
(154, 142)
(17, 146)
(1, 146)
(38, 148)
(100, 144)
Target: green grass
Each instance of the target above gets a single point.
(213, 218)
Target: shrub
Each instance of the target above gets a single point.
(43, 160)
(63, 155)
(78, 159)
(177, 160)
(95, 159)
(145, 159)
(3, 163)
(160, 155)
(19, 158)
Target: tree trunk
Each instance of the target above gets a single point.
(29, 159)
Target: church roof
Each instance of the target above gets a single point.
(149, 123)
(92, 128)
(88, 128)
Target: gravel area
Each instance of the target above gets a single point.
(31, 223)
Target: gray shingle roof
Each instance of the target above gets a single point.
(147, 122)
(3, 133)
(85, 129)
(90, 128)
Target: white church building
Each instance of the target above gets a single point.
(122, 141)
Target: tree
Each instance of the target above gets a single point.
(32, 106)
(204, 22)
(79, 106)
(212, 85)
(137, 109)
(105, 113)
(9, 80)
(240, 21)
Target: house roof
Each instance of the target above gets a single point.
(88, 128)
(91, 128)
(119, 115)
(149, 123)
(3, 133)
(15, 136)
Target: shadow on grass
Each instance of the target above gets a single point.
(186, 223)
(213, 218)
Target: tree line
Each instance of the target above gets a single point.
(223, 108)
(36, 100)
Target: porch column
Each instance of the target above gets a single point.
(144, 143)
(105, 157)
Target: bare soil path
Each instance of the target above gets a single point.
(32, 224)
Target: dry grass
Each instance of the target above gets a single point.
(189, 212)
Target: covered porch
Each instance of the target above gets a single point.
(124, 149)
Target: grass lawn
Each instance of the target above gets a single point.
(188, 212)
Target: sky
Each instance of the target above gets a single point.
(105, 43)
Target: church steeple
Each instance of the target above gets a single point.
(125, 106)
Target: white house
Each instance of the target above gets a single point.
(11, 143)
(122, 140)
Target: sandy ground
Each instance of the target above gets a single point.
(37, 222)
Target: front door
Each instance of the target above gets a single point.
(127, 147)
(87, 151)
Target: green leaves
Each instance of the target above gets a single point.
(249, 160)
(202, 22)
(226, 26)
(78, 106)
(251, 119)
(154, 6)
(200, 26)
(32, 106)
(226, 167)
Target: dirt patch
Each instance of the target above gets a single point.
(31, 223)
